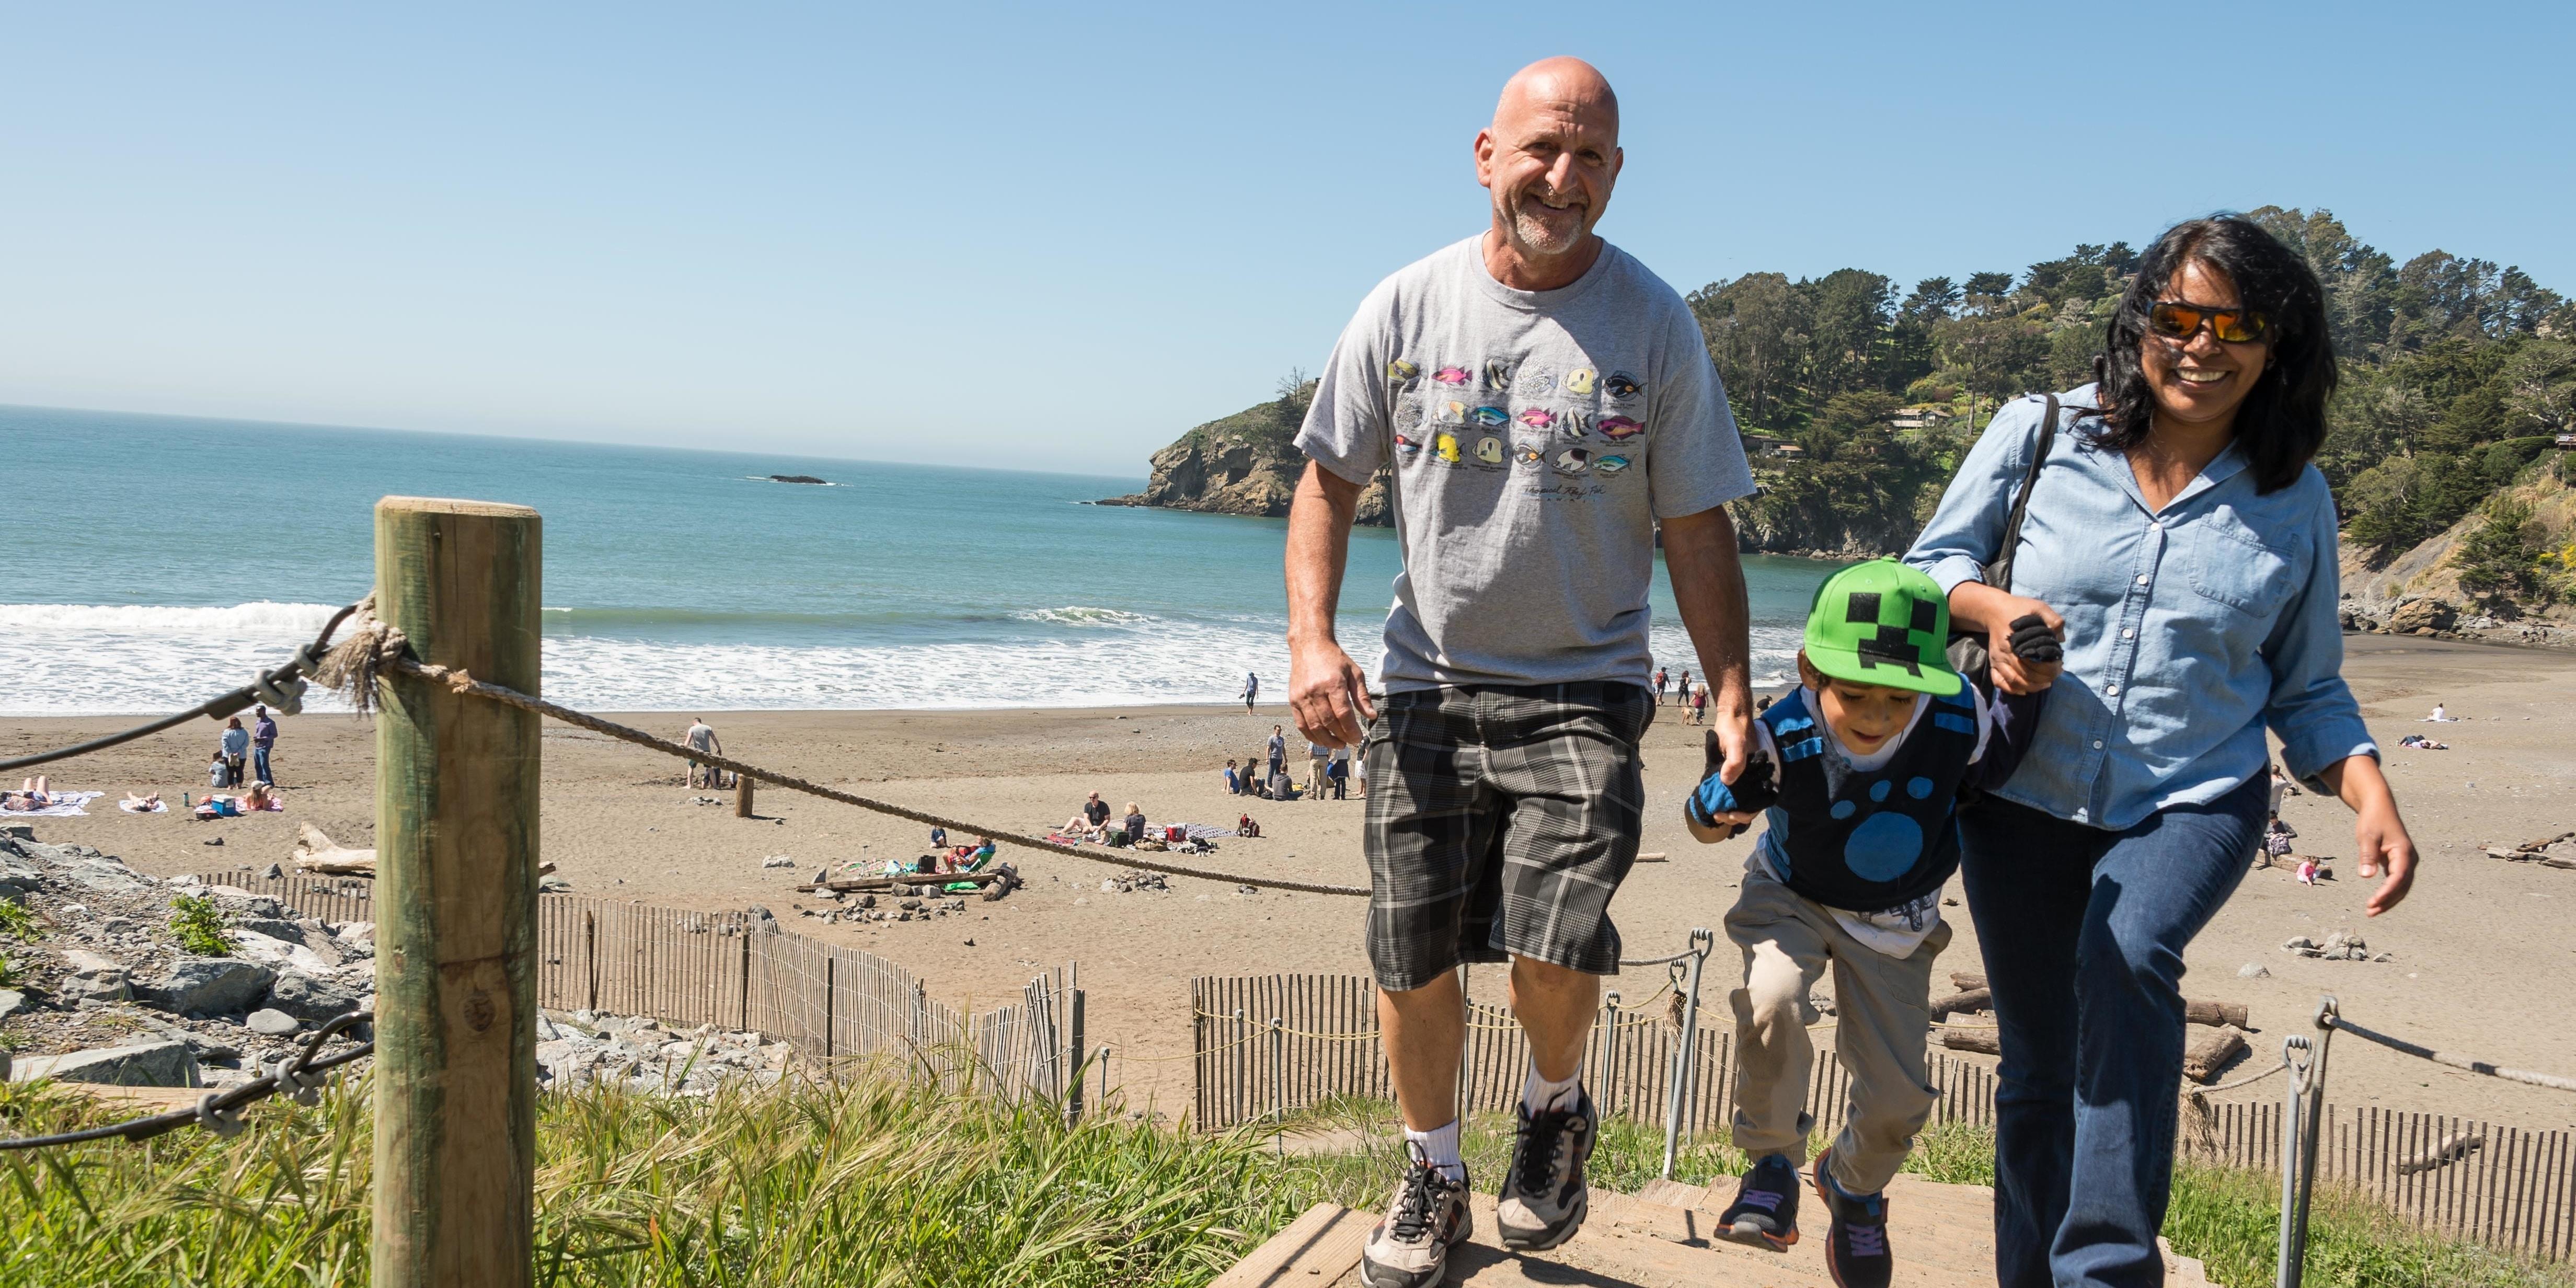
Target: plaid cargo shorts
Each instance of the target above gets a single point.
(1501, 819)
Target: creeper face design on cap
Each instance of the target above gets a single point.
(1892, 645)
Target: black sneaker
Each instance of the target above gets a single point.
(1856, 1247)
(1544, 1199)
(1429, 1215)
(1765, 1211)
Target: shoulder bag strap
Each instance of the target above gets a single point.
(1999, 573)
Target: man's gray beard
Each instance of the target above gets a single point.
(1542, 239)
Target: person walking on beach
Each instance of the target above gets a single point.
(1567, 401)
(263, 739)
(1251, 690)
(236, 745)
(1278, 750)
(1663, 682)
(702, 737)
(2183, 546)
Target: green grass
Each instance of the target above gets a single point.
(199, 924)
(15, 920)
(876, 1180)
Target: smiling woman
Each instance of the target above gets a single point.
(2184, 545)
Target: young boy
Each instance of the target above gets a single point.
(1860, 771)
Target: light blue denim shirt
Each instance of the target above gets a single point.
(2187, 629)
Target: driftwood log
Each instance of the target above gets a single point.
(2528, 856)
(1968, 1002)
(2451, 1150)
(1979, 1041)
(2198, 1011)
(2211, 1053)
(315, 852)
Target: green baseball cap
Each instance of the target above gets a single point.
(1882, 623)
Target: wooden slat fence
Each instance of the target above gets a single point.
(685, 967)
(2516, 1189)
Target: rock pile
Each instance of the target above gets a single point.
(580, 1048)
(105, 991)
(2341, 946)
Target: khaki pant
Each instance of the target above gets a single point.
(1881, 1011)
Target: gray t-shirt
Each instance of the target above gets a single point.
(1534, 437)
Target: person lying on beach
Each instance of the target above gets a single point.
(134, 804)
(2421, 743)
(33, 794)
(262, 797)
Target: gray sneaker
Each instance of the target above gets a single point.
(1544, 1199)
(1410, 1248)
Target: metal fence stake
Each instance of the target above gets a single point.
(1677, 1095)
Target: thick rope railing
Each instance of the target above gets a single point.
(299, 1076)
(280, 687)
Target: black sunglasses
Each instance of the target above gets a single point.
(2177, 320)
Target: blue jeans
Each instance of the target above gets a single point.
(2083, 932)
(259, 765)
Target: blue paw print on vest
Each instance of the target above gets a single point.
(1887, 843)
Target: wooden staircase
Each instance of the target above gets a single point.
(1661, 1238)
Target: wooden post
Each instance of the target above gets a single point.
(456, 851)
(742, 796)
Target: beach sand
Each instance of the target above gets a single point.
(2484, 961)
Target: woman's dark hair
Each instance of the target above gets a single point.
(2282, 422)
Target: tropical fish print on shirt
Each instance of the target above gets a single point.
(1589, 426)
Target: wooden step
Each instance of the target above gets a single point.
(1664, 1235)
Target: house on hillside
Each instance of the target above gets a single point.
(1924, 416)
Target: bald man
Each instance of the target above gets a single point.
(1538, 402)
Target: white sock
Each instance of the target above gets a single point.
(1440, 1147)
(1539, 1095)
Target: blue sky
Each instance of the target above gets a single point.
(1045, 238)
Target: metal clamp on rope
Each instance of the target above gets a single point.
(301, 1085)
(222, 1122)
(285, 693)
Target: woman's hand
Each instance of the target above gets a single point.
(1982, 607)
(2379, 835)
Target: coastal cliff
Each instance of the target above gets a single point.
(1246, 463)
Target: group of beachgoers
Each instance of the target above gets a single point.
(1691, 697)
(1328, 772)
(241, 759)
(2143, 572)
(1091, 823)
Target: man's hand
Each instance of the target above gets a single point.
(1725, 803)
(1328, 694)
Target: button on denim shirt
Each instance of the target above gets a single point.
(2188, 629)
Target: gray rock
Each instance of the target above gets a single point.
(209, 986)
(2253, 970)
(158, 1063)
(311, 998)
(778, 861)
(89, 977)
(12, 1001)
(272, 1023)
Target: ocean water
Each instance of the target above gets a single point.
(148, 562)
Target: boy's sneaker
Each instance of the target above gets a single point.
(1856, 1247)
(1544, 1199)
(1410, 1248)
(1765, 1210)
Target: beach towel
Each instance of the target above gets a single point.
(1203, 831)
(64, 805)
(138, 807)
(1061, 839)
